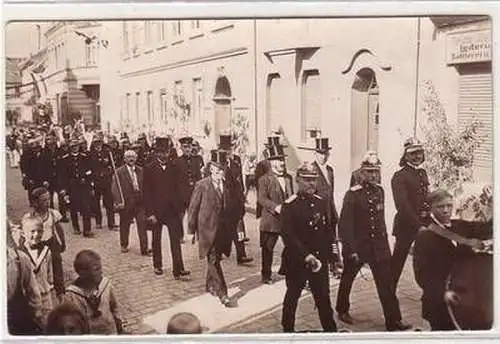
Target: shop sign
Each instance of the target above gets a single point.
(467, 47)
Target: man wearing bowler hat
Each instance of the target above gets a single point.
(210, 221)
(234, 185)
(306, 234)
(325, 189)
(273, 189)
(162, 205)
(189, 167)
(364, 238)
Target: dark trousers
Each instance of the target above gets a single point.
(439, 318)
(383, 281)
(126, 217)
(319, 283)
(174, 232)
(399, 255)
(267, 243)
(80, 199)
(103, 191)
(215, 283)
(237, 226)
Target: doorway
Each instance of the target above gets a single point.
(364, 115)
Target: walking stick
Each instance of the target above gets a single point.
(122, 199)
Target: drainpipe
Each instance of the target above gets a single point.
(417, 80)
(256, 130)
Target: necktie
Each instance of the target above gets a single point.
(134, 179)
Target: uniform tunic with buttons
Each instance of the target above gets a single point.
(362, 224)
(305, 230)
(410, 187)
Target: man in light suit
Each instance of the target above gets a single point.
(273, 189)
(325, 189)
(127, 189)
(210, 220)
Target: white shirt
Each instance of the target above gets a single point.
(219, 186)
(324, 171)
(281, 180)
(133, 175)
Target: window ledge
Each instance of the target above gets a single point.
(197, 35)
(177, 42)
(162, 46)
(223, 28)
(148, 51)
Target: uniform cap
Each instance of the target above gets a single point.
(186, 140)
(371, 161)
(307, 170)
(412, 144)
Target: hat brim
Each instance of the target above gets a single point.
(310, 176)
(218, 164)
(414, 149)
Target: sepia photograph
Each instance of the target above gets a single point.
(244, 176)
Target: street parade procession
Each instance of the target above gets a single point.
(249, 175)
(150, 183)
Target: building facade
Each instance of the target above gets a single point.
(361, 89)
(64, 71)
(180, 77)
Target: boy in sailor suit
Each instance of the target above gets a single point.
(41, 261)
(93, 294)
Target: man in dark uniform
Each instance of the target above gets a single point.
(62, 153)
(364, 238)
(273, 189)
(189, 168)
(50, 154)
(410, 187)
(307, 236)
(143, 151)
(162, 205)
(31, 161)
(102, 168)
(77, 181)
(234, 185)
(114, 146)
(325, 189)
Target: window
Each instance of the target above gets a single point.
(195, 24)
(147, 31)
(126, 43)
(90, 54)
(197, 103)
(176, 28)
(161, 27)
(137, 109)
(128, 106)
(151, 116)
(311, 102)
(163, 104)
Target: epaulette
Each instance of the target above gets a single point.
(291, 198)
(356, 187)
(317, 196)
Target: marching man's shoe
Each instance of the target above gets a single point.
(346, 318)
(158, 271)
(244, 260)
(398, 326)
(229, 303)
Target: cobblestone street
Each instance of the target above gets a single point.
(147, 300)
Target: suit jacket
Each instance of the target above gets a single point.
(160, 192)
(207, 218)
(410, 187)
(270, 195)
(433, 259)
(261, 169)
(325, 190)
(362, 224)
(131, 198)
